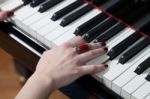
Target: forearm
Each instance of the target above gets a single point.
(36, 88)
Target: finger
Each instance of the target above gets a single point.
(90, 69)
(96, 45)
(9, 13)
(3, 15)
(6, 14)
(76, 41)
(84, 57)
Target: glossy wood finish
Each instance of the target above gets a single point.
(9, 82)
(19, 52)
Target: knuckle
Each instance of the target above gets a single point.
(77, 71)
(93, 53)
(70, 53)
(65, 45)
(94, 68)
(75, 61)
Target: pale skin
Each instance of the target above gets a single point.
(61, 66)
(5, 14)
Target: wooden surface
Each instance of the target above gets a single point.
(9, 79)
(22, 54)
(9, 83)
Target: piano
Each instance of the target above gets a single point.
(124, 25)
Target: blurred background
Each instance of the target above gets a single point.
(11, 82)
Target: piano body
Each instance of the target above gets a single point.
(38, 25)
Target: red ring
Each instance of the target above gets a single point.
(82, 48)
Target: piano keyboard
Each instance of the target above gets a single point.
(52, 22)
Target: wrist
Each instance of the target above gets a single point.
(37, 87)
(46, 82)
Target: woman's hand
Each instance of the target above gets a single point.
(63, 65)
(5, 14)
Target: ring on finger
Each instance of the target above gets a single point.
(82, 48)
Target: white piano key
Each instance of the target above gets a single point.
(73, 26)
(26, 23)
(128, 75)
(43, 31)
(134, 84)
(22, 14)
(50, 12)
(116, 68)
(25, 12)
(127, 31)
(122, 35)
(45, 20)
(148, 97)
(101, 59)
(11, 4)
(40, 23)
(110, 44)
(142, 92)
(47, 24)
(37, 16)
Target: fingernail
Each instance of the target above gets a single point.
(105, 48)
(106, 66)
(10, 13)
(103, 43)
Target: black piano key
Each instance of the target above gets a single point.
(90, 24)
(148, 77)
(123, 45)
(119, 48)
(48, 4)
(110, 33)
(143, 22)
(26, 1)
(134, 50)
(143, 66)
(75, 15)
(109, 7)
(106, 6)
(98, 29)
(35, 3)
(59, 14)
